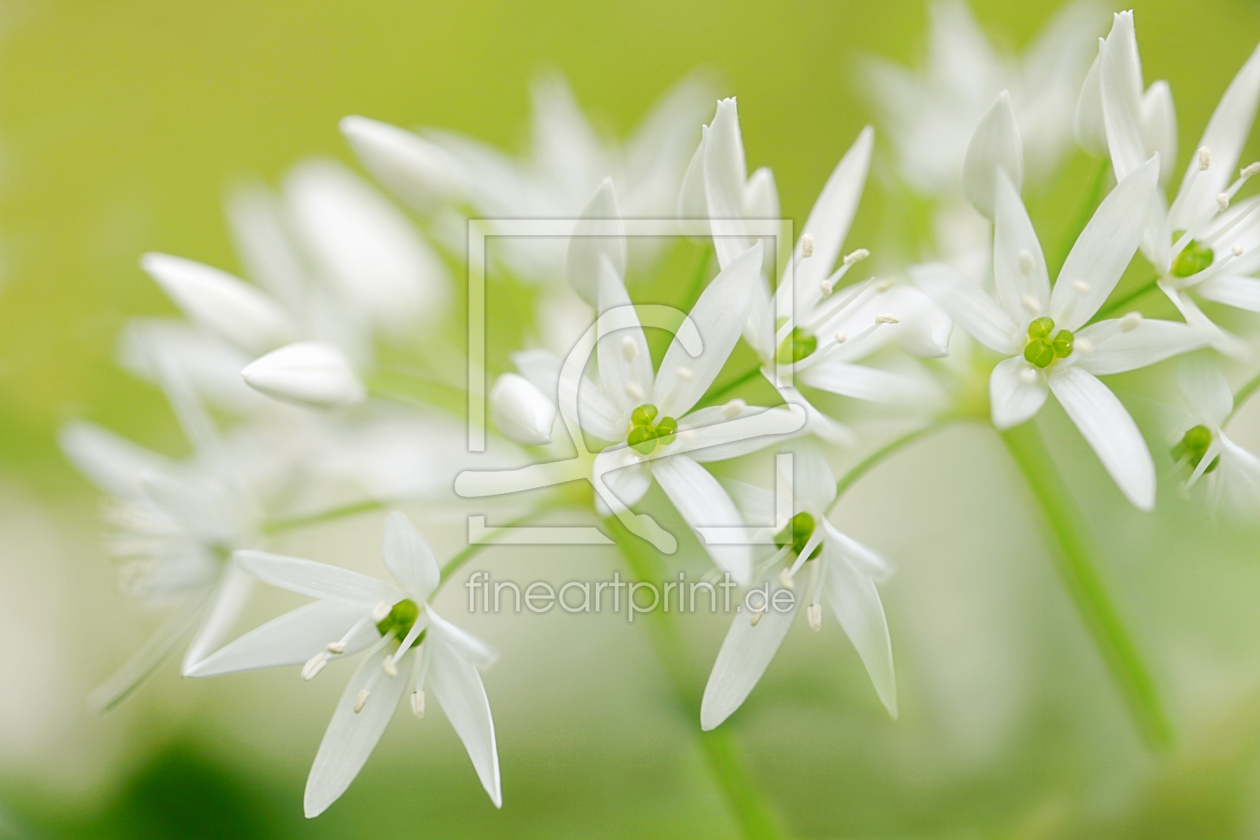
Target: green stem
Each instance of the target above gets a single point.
(1244, 393)
(747, 803)
(1086, 212)
(698, 280)
(714, 397)
(280, 526)
(1075, 564)
(411, 388)
(1115, 306)
(453, 565)
(892, 447)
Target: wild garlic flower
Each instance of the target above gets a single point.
(810, 328)
(409, 647)
(816, 562)
(1200, 244)
(1047, 335)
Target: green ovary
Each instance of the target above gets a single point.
(1041, 349)
(402, 617)
(797, 346)
(1194, 446)
(1195, 257)
(797, 534)
(645, 435)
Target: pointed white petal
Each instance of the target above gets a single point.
(831, 217)
(1116, 350)
(265, 246)
(924, 328)
(565, 146)
(291, 639)
(625, 365)
(318, 580)
(1159, 127)
(461, 641)
(226, 604)
(725, 172)
(141, 664)
(1017, 391)
(112, 463)
(693, 203)
(1232, 290)
(702, 502)
(813, 483)
(1205, 389)
(521, 412)
(969, 306)
(587, 250)
(818, 424)
(751, 430)
(1120, 81)
(995, 148)
(1019, 267)
(623, 474)
(857, 606)
(308, 373)
(420, 172)
(409, 558)
(201, 507)
(869, 383)
(1087, 121)
(1104, 248)
(745, 654)
(351, 737)
(866, 560)
(459, 691)
(1110, 432)
(1220, 339)
(719, 316)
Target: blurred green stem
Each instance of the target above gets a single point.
(715, 396)
(280, 526)
(1244, 393)
(698, 280)
(1086, 211)
(1116, 305)
(1075, 564)
(748, 805)
(873, 460)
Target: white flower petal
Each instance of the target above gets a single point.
(461, 641)
(813, 483)
(587, 250)
(1017, 391)
(291, 639)
(1205, 389)
(923, 328)
(745, 654)
(693, 203)
(520, 411)
(1120, 81)
(351, 737)
(818, 424)
(152, 653)
(969, 306)
(219, 302)
(111, 462)
(265, 245)
(866, 560)
(308, 373)
(1087, 120)
(1116, 350)
(753, 429)
(226, 604)
(857, 606)
(625, 365)
(201, 507)
(1110, 432)
(994, 148)
(1019, 267)
(831, 217)
(459, 691)
(409, 558)
(725, 172)
(1232, 290)
(420, 172)
(1104, 248)
(1239, 475)
(318, 580)
(719, 316)
(623, 474)
(869, 383)
(1159, 127)
(702, 502)
(1221, 340)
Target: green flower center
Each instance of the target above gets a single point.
(1041, 349)
(402, 617)
(1193, 448)
(1193, 258)
(797, 533)
(647, 431)
(797, 346)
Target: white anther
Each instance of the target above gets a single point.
(313, 666)
(1032, 305)
(785, 580)
(807, 245)
(756, 616)
(1026, 264)
(381, 611)
(857, 256)
(634, 391)
(1028, 376)
(1205, 158)
(733, 409)
(336, 648)
(1081, 287)
(1237, 250)
(388, 666)
(826, 286)
(360, 701)
(1129, 322)
(814, 613)
(1250, 169)
(883, 285)
(629, 350)
(1222, 201)
(1082, 345)
(684, 373)
(417, 703)
(841, 338)
(887, 318)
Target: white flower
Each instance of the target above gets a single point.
(1202, 446)
(840, 570)
(355, 612)
(1045, 333)
(932, 116)
(520, 411)
(1200, 243)
(811, 334)
(308, 373)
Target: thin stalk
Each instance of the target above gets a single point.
(1110, 309)
(1074, 561)
(714, 397)
(1244, 393)
(453, 565)
(1086, 211)
(280, 526)
(698, 280)
(722, 755)
(892, 447)
(412, 388)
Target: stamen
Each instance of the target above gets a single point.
(1130, 321)
(757, 614)
(685, 374)
(1026, 262)
(388, 666)
(887, 318)
(629, 350)
(815, 617)
(336, 648)
(826, 286)
(381, 611)
(1238, 250)
(855, 257)
(785, 580)
(1222, 201)
(884, 285)
(361, 701)
(807, 246)
(1250, 169)
(417, 704)
(841, 338)
(733, 408)
(313, 666)
(1205, 158)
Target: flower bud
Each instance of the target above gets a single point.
(520, 411)
(308, 373)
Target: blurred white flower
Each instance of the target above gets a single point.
(1044, 333)
(355, 612)
(841, 570)
(520, 411)
(1200, 243)
(309, 373)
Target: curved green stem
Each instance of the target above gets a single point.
(1075, 564)
(1244, 393)
(411, 388)
(1115, 306)
(747, 803)
(698, 280)
(714, 397)
(879, 455)
(280, 526)
(1086, 211)
(453, 565)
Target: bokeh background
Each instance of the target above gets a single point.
(121, 126)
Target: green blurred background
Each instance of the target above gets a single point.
(121, 125)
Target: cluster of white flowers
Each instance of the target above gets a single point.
(346, 285)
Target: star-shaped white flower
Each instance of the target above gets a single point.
(1200, 244)
(837, 569)
(1044, 333)
(355, 612)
